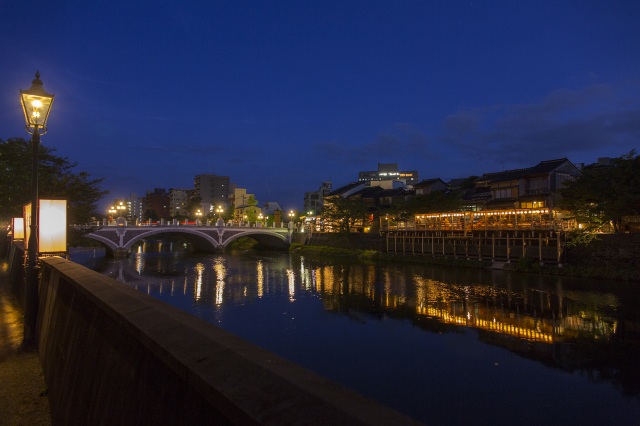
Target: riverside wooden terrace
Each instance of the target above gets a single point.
(497, 235)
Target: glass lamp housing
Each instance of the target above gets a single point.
(36, 105)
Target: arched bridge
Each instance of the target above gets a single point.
(119, 239)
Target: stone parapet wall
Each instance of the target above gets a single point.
(112, 356)
(349, 241)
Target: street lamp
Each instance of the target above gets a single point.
(198, 215)
(121, 208)
(36, 105)
(219, 211)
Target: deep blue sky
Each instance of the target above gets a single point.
(283, 95)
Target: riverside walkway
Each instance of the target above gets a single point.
(23, 399)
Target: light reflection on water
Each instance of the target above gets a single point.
(447, 346)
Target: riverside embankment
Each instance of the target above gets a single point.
(611, 256)
(104, 345)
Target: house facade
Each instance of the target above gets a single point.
(528, 188)
(428, 186)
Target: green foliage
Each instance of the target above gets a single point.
(243, 243)
(192, 207)
(343, 214)
(251, 211)
(56, 179)
(605, 194)
(580, 237)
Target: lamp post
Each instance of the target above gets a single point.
(36, 105)
(121, 208)
(219, 211)
(198, 216)
(292, 217)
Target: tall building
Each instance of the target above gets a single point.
(179, 202)
(157, 204)
(213, 190)
(313, 200)
(135, 207)
(389, 171)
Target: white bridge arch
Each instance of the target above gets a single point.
(120, 239)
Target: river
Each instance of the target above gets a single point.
(443, 345)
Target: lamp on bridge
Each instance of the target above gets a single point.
(36, 106)
(198, 216)
(219, 211)
(120, 208)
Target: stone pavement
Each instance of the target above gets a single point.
(23, 399)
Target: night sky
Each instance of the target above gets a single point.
(283, 95)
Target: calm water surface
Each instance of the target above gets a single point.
(444, 345)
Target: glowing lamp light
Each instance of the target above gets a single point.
(52, 226)
(36, 105)
(17, 227)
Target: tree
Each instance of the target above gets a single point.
(605, 194)
(193, 206)
(56, 179)
(343, 214)
(250, 211)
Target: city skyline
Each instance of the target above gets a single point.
(282, 96)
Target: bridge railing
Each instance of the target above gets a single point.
(236, 224)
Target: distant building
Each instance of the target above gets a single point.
(270, 207)
(213, 191)
(313, 200)
(135, 207)
(378, 197)
(157, 204)
(240, 197)
(428, 186)
(389, 171)
(179, 202)
(241, 207)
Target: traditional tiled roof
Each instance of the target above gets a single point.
(477, 193)
(456, 183)
(543, 167)
(428, 182)
(344, 189)
(379, 192)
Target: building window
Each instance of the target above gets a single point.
(532, 205)
(538, 185)
(502, 193)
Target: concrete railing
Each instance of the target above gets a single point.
(114, 356)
